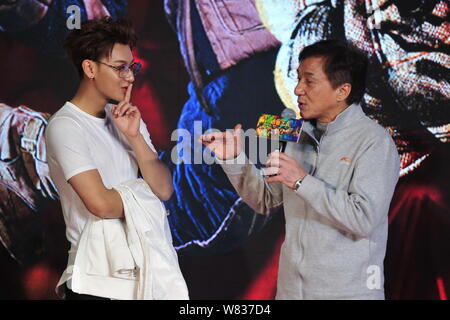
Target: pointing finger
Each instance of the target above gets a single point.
(128, 94)
(209, 137)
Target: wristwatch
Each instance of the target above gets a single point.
(298, 183)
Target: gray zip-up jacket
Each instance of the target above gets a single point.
(337, 220)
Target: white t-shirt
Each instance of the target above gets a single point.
(76, 142)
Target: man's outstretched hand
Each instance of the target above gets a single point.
(225, 145)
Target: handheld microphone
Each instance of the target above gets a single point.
(283, 128)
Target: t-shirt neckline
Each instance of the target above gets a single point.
(90, 116)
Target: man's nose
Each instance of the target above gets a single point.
(130, 76)
(299, 89)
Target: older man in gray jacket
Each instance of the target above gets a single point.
(335, 184)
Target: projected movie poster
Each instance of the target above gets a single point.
(188, 86)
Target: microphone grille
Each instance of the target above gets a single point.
(288, 113)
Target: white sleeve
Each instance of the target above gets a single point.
(143, 130)
(67, 145)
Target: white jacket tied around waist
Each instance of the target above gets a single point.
(131, 258)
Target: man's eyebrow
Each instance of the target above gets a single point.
(123, 61)
(306, 74)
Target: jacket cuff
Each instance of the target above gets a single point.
(309, 188)
(234, 166)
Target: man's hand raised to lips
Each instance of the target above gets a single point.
(226, 145)
(126, 116)
(286, 169)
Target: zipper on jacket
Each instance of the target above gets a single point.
(316, 162)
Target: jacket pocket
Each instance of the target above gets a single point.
(237, 16)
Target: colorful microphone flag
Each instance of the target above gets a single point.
(275, 127)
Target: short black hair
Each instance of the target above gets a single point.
(344, 63)
(96, 38)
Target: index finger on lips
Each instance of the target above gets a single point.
(118, 107)
(128, 94)
(123, 107)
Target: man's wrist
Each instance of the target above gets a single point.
(239, 159)
(298, 182)
(134, 138)
(138, 145)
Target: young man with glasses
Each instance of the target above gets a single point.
(93, 145)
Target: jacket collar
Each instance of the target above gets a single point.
(347, 117)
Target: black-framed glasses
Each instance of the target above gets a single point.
(135, 67)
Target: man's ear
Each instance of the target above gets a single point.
(344, 91)
(89, 68)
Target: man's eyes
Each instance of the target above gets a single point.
(306, 80)
(125, 67)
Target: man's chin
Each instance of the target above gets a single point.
(305, 116)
